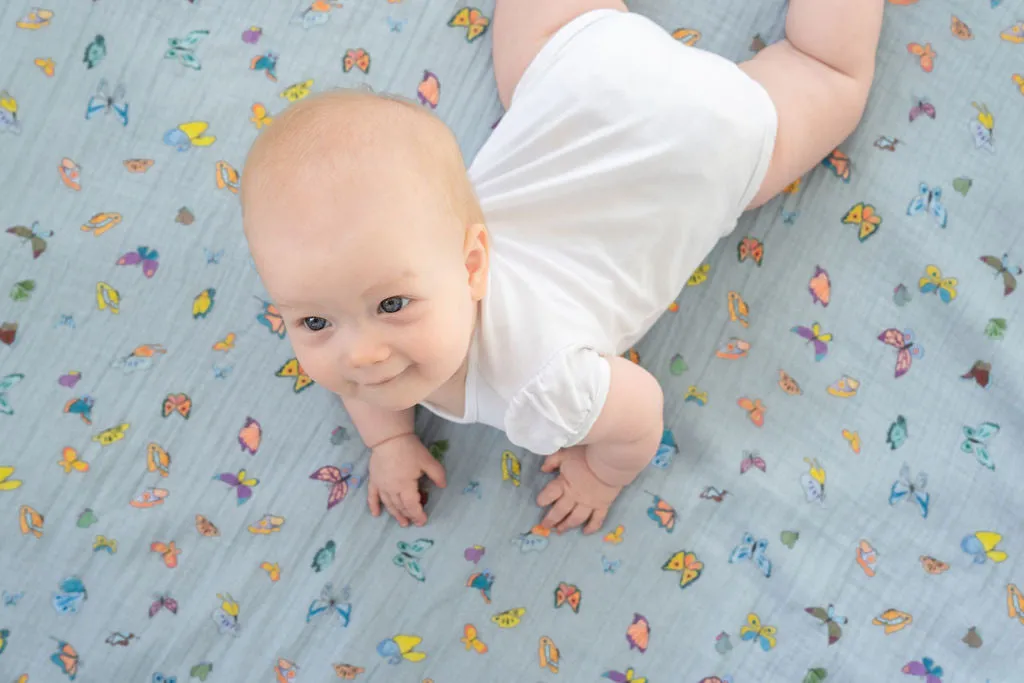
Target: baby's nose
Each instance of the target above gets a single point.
(364, 353)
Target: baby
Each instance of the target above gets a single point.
(506, 295)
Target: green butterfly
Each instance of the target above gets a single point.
(21, 291)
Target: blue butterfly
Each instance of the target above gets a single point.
(65, 321)
(102, 102)
(222, 371)
(160, 678)
(610, 566)
(912, 490)
(213, 257)
(929, 200)
(11, 599)
(409, 557)
(395, 25)
(996, 3)
(328, 602)
(666, 450)
(753, 550)
(789, 217)
(72, 594)
(531, 542)
(976, 442)
(473, 488)
(183, 49)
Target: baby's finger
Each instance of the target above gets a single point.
(559, 511)
(578, 516)
(412, 508)
(373, 500)
(394, 509)
(435, 472)
(596, 520)
(553, 461)
(550, 493)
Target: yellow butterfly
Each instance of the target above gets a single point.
(228, 605)
(406, 645)
(7, 484)
(225, 344)
(793, 187)
(69, 461)
(739, 311)
(989, 540)
(510, 618)
(688, 566)
(473, 20)
(203, 303)
(933, 282)
(864, 217)
(511, 470)
(112, 435)
(108, 297)
(273, 570)
(762, 634)
(699, 276)
(260, 117)
(291, 368)
(195, 131)
(471, 639)
(104, 543)
(1019, 81)
(158, 460)
(294, 93)
(854, 440)
(615, 537)
(47, 65)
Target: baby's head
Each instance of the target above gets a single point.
(369, 239)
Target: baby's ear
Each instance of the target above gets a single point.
(477, 253)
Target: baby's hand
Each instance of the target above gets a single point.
(577, 495)
(395, 470)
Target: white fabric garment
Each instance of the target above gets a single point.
(623, 158)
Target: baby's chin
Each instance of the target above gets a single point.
(397, 394)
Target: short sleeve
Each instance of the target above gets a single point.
(558, 407)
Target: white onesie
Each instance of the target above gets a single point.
(623, 158)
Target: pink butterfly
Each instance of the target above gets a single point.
(925, 668)
(752, 459)
(340, 481)
(920, 107)
(161, 602)
(906, 349)
(144, 255)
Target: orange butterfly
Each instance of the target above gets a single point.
(260, 117)
(30, 521)
(347, 672)
(755, 410)
(864, 217)
(793, 187)
(66, 657)
(548, 654)
(473, 20)
(662, 512)
(926, 53)
(138, 165)
(47, 64)
(70, 173)
(169, 551)
(933, 566)
(471, 639)
(820, 287)
(291, 368)
(205, 527)
(688, 566)
(358, 58)
(225, 344)
(227, 177)
(158, 460)
(429, 90)
(272, 570)
(960, 29)
(687, 36)
(839, 164)
(177, 403)
(788, 384)
(250, 436)
(615, 537)
(638, 634)
(69, 461)
(1015, 602)
(1019, 80)
(568, 594)
(271, 318)
(750, 248)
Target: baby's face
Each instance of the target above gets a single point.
(376, 295)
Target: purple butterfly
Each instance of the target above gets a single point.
(144, 255)
(623, 677)
(922, 106)
(474, 553)
(906, 348)
(925, 669)
(161, 602)
(814, 335)
(242, 484)
(752, 459)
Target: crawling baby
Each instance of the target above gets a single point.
(506, 294)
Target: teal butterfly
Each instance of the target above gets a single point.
(976, 442)
(409, 557)
(897, 434)
(5, 384)
(183, 49)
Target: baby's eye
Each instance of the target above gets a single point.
(393, 304)
(314, 324)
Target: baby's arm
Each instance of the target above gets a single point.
(818, 77)
(521, 27)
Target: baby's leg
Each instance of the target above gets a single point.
(521, 27)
